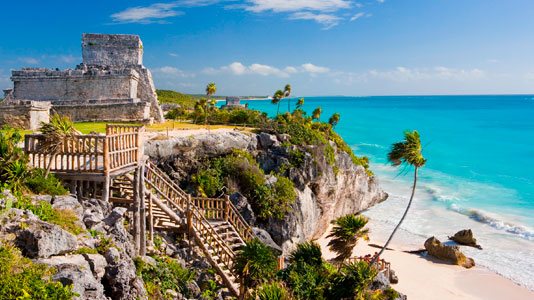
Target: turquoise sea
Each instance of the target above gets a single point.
(479, 174)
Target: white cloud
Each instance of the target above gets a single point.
(68, 58)
(237, 68)
(172, 71)
(290, 70)
(357, 16)
(327, 20)
(4, 82)
(380, 1)
(311, 68)
(154, 13)
(173, 54)
(297, 5)
(405, 75)
(29, 60)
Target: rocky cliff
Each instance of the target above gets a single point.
(325, 190)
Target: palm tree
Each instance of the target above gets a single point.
(334, 119)
(211, 89)
(352, 281)
(57, 135)
(200, 106)
(300, 103)
(254, 264)
(345, 234)
(277, 97)
(307, 252)
(316, 114)
(408, 152)
(287, 93)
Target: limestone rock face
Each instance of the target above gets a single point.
(38, 239)
(448, 253)
(324, 193)
(465, 237)
(77, 271)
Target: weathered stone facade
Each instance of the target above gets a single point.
(111, 84)
(24, 114)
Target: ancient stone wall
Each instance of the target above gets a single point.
(24, 114)
(74, 85)
(119, 112)
(112, 49)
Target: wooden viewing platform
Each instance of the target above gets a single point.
(112, 168)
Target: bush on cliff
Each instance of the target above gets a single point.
(20, 278)
(254, 264)
(240, 172)
(166, 274)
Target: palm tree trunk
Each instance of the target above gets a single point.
(401, 220)
(278, 109)
(49, 165)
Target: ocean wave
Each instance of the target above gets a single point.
(508, 227)
(371, 145)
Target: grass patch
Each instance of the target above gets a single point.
(98, 127)
(64, 218)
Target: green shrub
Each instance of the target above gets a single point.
(352, 280)
(166, 274)
(255, 264)
(13, 161)
(209, 182)
(282, 197)
(86, 250)
(38, 183)
(20, 278)
(104, 244)
(273, 291)
(308, 274)
(296, 157)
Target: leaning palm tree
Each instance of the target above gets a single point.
(57, 135)
(345, 234)
(254, 264)
(316, 114)
(334, 119)
(277, 97)
(407, 152)
(287, 93)
(211, 89)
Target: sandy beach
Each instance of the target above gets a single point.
(422, 278)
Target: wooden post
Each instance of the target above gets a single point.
(226, 208)
(189, 224)
(150, 218)
(280, 262)
(142, 212)
(136, 212)
(105, 188)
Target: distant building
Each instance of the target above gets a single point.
(233, 102)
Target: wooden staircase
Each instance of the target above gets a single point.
(215, 224)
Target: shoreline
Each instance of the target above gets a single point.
(423, 277)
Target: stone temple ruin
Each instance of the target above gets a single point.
(111, 84)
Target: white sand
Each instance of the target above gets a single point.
(422, 279)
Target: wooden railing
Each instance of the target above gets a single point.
(123, 146)
(83, 154)
(90, 153)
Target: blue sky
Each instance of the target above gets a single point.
(321, 47)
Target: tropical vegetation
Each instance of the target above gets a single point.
(345, 234)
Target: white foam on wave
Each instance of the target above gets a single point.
(442, 209)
